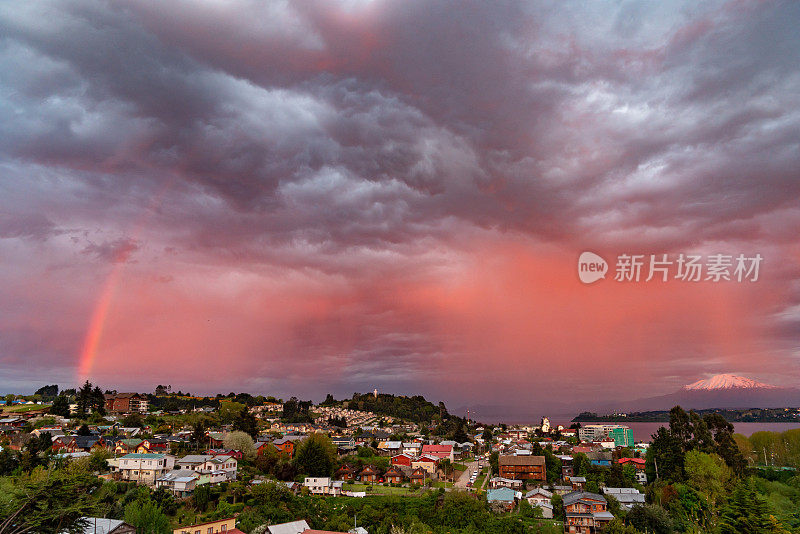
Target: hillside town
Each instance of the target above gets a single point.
(185, 448)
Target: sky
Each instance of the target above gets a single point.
(296, 198)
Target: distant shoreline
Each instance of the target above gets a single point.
(749, 415)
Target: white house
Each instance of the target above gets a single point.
(144, 468)
(213, 469)
(181, 482)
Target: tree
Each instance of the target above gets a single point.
(60, 406)
(666, 455)
(84, 430)
(708, 474)
(10, 399)
(650, 518)
(487, 435)
(726, 445)
(53, 504)
(98, 401)
(147, 517)
(316, 455)
(199, 433)
(494, 462)
(246, 422)
(745, 511)
(241, 441)
(133, 420)
(47, 391)
(229, 411)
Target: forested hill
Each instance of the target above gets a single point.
(415, 408)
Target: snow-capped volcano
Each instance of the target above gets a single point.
(727, 382)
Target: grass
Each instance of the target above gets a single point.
(22, 408)
(377, 489)
(479, 481)
(6, 487)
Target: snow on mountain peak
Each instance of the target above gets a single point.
(726, 382)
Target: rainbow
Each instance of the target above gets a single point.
(97, 322)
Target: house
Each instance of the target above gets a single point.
(428, 463)
(225, 452)
(577, 483)
(264, 447)
(125, 446)
(601, 458)
(78, 443)
(586, 513)
(368, 474)
(294, 527)
(503, 497)
(567, 466)
(180, 482)
(522, 467)
(71, 455)
(389, 448)
(501, 482)
(542, 498)
(156, 444)
(13, 423)
(561, 490)
(287, 444)
(144, 468)
(412, 448)
(322, 486)
(213, 469)
(418, 476)
(439, 451)
(627, 497)
(117, 403)
(402, 459)
(215, 439)
(638, 464)
(346, 472)
(54, 431)
(211, 527)
(97, 525)
(393, 475)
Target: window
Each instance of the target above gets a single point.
(210, 530)
(223, 528)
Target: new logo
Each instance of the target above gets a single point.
(591, 267)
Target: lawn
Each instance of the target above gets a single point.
(480, 479)
(377, 489)
(21, 408)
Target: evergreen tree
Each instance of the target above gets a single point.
(316, 456)
(60, 406)
(745, 511)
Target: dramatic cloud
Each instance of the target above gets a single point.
(317, 195)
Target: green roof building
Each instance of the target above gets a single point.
(622, 436)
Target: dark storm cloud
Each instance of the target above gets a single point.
(117, 251)
(30, 225)
(376, 142)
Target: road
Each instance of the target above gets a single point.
(464, 478)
